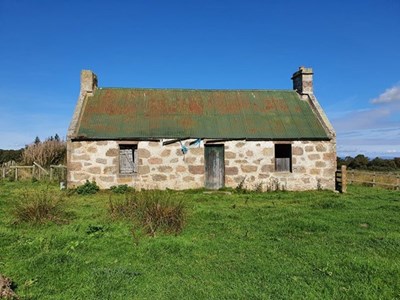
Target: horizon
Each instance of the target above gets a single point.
(191, 45)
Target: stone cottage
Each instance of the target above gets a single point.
(183, 138)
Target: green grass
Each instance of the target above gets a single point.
(278, 245)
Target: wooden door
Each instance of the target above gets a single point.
(215, 166)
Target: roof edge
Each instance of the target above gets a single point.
(323, 119)
(192, 89)
(80, 139)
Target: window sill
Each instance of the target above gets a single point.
(128, 175)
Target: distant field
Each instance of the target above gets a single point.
(389, 180)
(277, 245)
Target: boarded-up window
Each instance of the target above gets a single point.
(283, 157)
(127, 159)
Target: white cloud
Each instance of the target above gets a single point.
(373, 131)
(388, 96)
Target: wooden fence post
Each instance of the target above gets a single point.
(344, 179)
(51, 173)
(373, 179)
(398, 182)
(16, 174)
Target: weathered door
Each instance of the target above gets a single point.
(215, 166)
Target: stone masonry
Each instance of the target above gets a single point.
(161, 167)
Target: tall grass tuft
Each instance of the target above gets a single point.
(39, 207)
(153, 210)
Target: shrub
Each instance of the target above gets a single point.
(40, 206)
(121, 189)
(153, 210)
(88, 188)
(45, 153)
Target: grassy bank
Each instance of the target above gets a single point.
(279, 245)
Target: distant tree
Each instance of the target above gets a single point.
(380, 164)
(7, 155)
(37, 140)
(348, 160)
(362, 162)
(340, 162)
(397, 162)
(57, 138)
(359, 162)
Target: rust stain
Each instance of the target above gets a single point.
(195, 107)
(268, 105)
(186, 122)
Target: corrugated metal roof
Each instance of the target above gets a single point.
(116, 113)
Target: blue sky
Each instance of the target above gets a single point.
(353, 47)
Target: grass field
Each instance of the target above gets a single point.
(277, 245)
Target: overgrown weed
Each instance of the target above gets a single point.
(39, 207)
(152, 209)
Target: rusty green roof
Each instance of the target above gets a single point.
(117, 113)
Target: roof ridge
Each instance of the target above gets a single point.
(193, 89)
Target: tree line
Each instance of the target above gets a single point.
(361, 162)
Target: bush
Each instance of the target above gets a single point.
(39, 207)
(50, 152)
(121, 189)
(153, 210)
(88, 188)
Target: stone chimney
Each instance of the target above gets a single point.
(303, 81)
(88, 82)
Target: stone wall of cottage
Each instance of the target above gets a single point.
(160, 167)
(313, 166)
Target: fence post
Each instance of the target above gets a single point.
(344, 179)
(373, 179)
(51, 173)
(398, 183)
(3, 168)
(16, 173)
